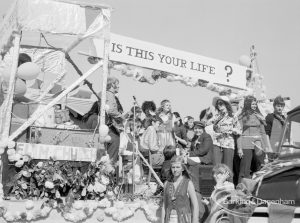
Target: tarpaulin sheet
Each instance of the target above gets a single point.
(50, 16)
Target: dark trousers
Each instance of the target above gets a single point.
(245, 165)
(113, 145)
(223, 155)
(203, 210)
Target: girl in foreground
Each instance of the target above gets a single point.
(218, 207)
(180, 203)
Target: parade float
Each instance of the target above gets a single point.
(58, 170)
(54, 180)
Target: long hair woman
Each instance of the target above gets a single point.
(165, 133)
(253, 139)
(225, 126)
(180, 203)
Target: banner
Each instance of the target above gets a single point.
(43, 151)
(144, 54)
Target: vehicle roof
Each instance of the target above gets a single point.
(294, 114)
(294, 110)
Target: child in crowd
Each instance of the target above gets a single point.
(169, 152)
(149, 142)
(129, 142)
(222, 175)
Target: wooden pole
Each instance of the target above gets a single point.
(38, 113)
(150, 168)
(105, 70)
(7, 104)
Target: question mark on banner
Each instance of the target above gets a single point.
(229, 71)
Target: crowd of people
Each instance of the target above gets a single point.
(226, 136)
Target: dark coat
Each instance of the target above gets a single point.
(202, 147)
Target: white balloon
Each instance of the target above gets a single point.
(28, 71)
(107, 138)
(103, 130)
(102, 139)
(245, 60)
(20, 87)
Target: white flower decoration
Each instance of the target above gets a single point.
(19, 163)
(104, 180)
(11, 144)
(29, 205)
(78, 205)
(11, 152)
(49, 184)
(39, 164)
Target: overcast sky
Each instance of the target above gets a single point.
(223, 30)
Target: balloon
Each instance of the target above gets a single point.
(102, 139)
(12, 158)
(245, 60)
(20, 87)
(28, 71)
(107, 138)
(103, 130)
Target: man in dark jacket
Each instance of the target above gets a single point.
(275, 122)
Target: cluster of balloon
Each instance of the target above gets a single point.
(245, 60)
(26, 71)
(103, 134)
